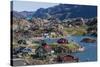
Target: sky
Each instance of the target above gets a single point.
(30, 6)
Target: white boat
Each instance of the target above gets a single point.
(81, 49)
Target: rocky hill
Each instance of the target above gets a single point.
(61, 19)
(22, 15)
(64, 11)
(61, 11)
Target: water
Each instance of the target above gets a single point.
(90, 53)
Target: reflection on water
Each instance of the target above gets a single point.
(90, 53)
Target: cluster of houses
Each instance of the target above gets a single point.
(61, 53)
(44, 50)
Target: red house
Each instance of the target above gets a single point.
(46, 47)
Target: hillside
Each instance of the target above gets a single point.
(64, 11)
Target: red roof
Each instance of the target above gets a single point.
(47, 48)
(66, 58)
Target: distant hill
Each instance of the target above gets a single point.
(17, 15)
(27, 14)
(22, 15)
(63, 11)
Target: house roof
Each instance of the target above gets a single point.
(47, 48)
(27, 50)
(62, 41)
(65, 58)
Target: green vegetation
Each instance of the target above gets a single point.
(76, 31)
(72, 46)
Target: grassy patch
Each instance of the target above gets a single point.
(75, 30)
(73, 46)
